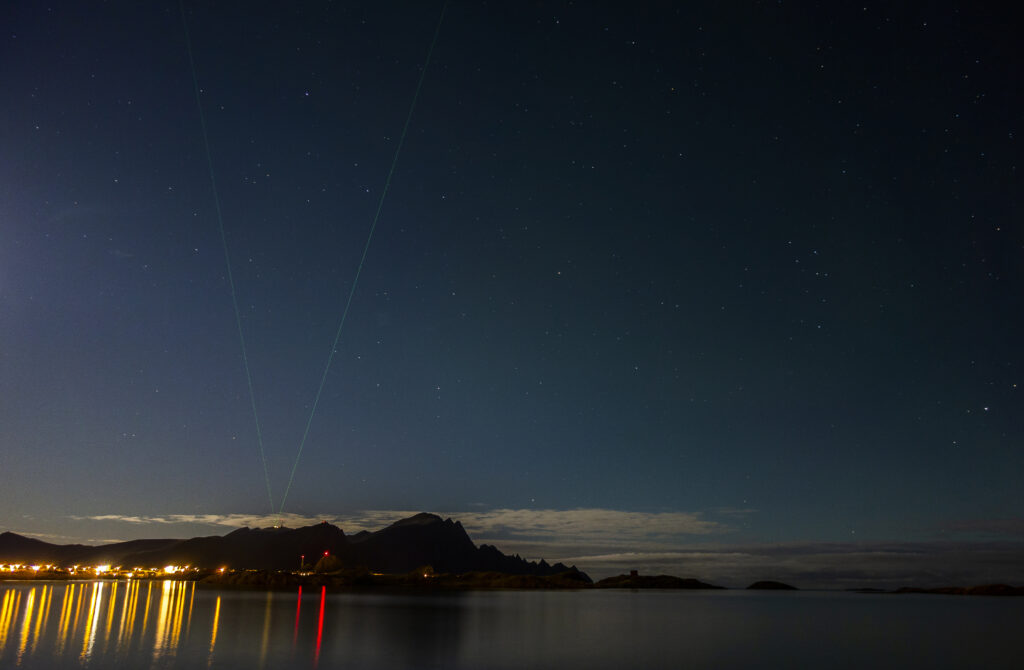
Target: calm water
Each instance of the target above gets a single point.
(170, 624)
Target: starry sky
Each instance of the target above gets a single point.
(715, 275)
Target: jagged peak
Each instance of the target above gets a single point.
(421, 519)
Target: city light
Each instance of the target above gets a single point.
(104, 571)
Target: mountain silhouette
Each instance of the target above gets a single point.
(406, 545)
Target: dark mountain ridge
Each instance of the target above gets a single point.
(406, 545)
(16, 548)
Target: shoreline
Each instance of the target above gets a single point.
(364, 582)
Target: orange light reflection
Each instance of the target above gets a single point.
(213, 636)
(26, 623)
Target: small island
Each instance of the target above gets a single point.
(768, 585)
(978, 590)
(634, 580)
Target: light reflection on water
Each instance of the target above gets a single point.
(172, 624)
(130, 623)
(104, 619)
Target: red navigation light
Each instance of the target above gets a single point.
(325, 553)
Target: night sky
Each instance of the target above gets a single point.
(646, 279)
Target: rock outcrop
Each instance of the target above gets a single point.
(768, 585)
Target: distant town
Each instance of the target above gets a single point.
(49, 571)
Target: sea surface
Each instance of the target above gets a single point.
(174, 624)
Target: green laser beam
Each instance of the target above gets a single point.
(366, 249)
(227, 256)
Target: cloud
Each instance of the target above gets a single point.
(606, 542)
(586, 525)
(120, 517)
(533, 534)
(824, 565)
(226, 520)
(589, 524)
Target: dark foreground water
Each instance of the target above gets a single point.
(170, 624)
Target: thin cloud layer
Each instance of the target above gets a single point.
(589, 524)
(824, 565)
(585, 526)
(605, 542)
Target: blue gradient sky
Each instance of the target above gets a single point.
(757, 267)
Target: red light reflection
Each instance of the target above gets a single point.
(320, 625)
(298, 608)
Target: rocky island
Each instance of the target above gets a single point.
(637, 581)
(768, 585)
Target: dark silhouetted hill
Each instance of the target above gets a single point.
(260, 548)
(16, 548)
(652, 582)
